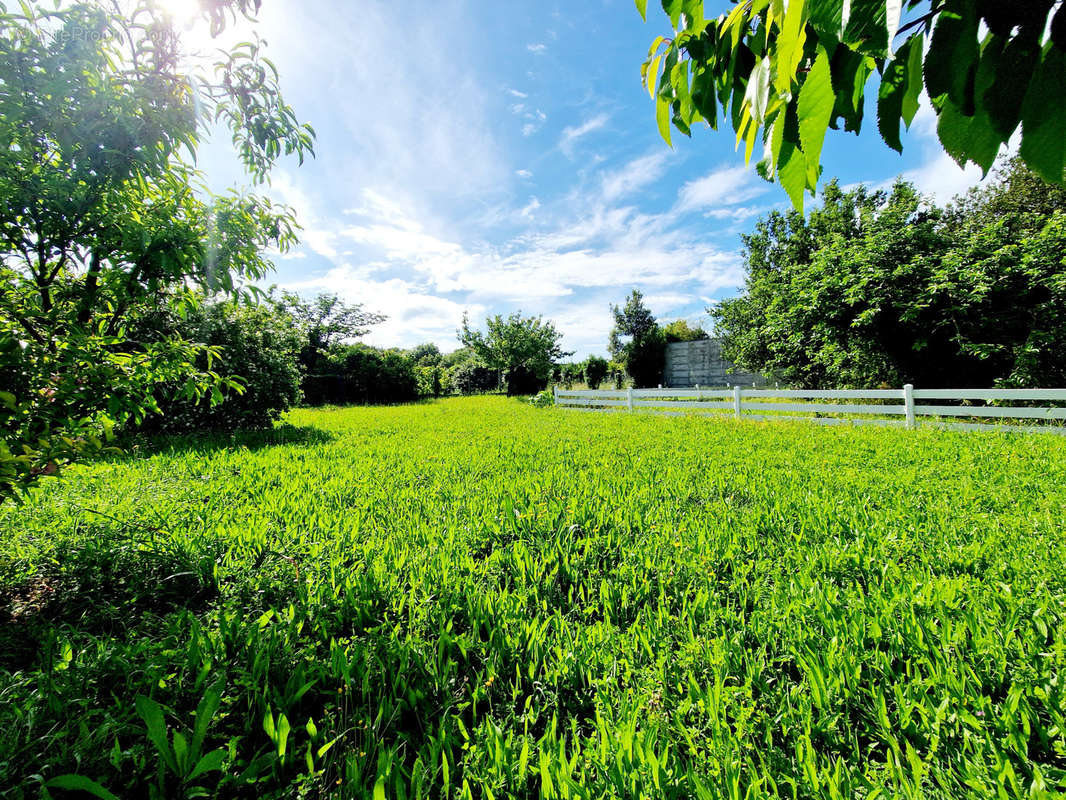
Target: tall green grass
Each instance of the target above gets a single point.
(475, 598)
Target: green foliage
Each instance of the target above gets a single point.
(360, 374)
(887, 288)
(781, 73)
(327, 322)
(638, 342)
(257, 346)
(427, 355)
(544, 399)
(680, 331)
(433, 381)
(522, 349)
(473, 377)
(473, 592)
(596, 369)
(102, 221)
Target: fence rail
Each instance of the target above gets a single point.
(779, 404)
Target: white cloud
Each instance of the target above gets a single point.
(530, 208)
(536, 48)
(725, 186)
(518, 94)
(523, 173)
(572, 134)
(633, 176)
(413, 314)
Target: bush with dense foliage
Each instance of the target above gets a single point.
(257, 346)
(595, 369)
(887, 287)
(680, 331)
(364, 375)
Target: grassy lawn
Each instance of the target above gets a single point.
(477, 598)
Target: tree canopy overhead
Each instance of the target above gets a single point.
(781, 72)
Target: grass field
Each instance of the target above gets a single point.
(475, 598)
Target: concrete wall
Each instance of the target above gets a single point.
(701, 362)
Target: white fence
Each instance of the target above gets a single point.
(901, 408)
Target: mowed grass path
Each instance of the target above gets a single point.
(476, 598)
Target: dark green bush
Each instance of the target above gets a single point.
(360, 374)
(595, 371)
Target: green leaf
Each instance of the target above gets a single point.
(152, 714)
(379, 788)
(642, 7)
(662, 117)
(79, 783)
(205, 712)
(815, 109)
(968, 138)
(866, 28)
(792, 172)
(1044, 117)
(826, 17)
(673, 9)
(1014, 69)
(758, 92)
(951, 63)
(212, 762)
(913, 91)
(890, 97)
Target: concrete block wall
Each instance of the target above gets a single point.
(701, 362)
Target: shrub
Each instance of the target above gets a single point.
(595, 371)
(360, 374)
(472, 377)
(259, 347)
(646, 358)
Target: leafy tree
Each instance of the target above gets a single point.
(102, 220)
(885, 287)
(595, 371)
(427, 354)
(780, 74)
(258, 344)
(522, 349)
(638, 342)
(327, 322)
(680, 331)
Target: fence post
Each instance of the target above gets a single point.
(908, 403)
(699, 394)
(629, 399)
(736, 401)
(555, 394)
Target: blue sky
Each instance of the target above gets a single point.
(496, 157)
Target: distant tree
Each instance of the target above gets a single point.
(886, 287)
(426, 355)
(780, 75)
(522, 349)
(680, 331)
(327, 321)
(595, 371)
(638, 342)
